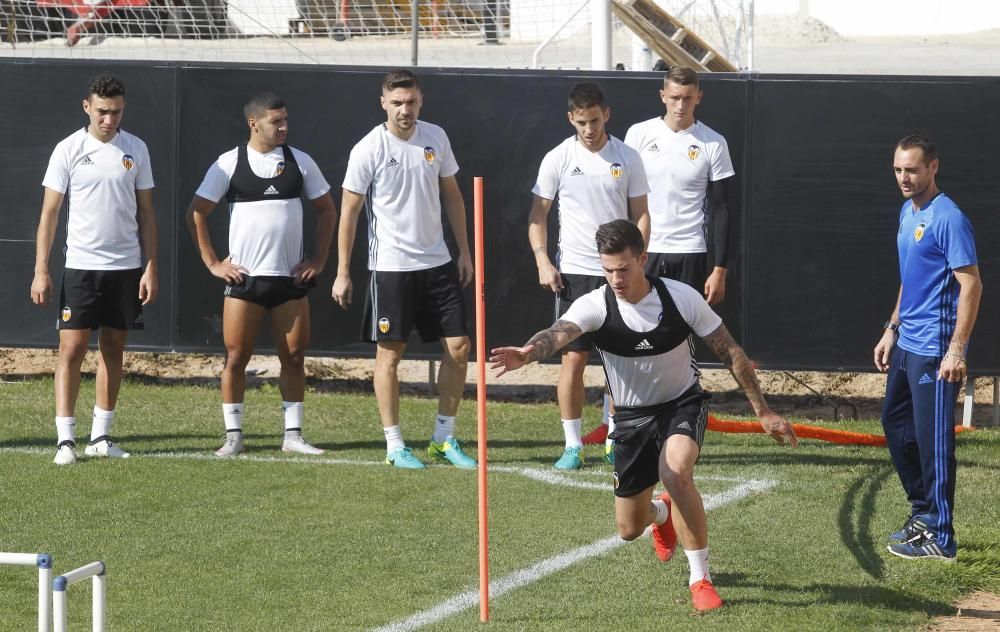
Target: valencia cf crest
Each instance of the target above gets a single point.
(383, 325)
(128, 162)
(614, 475)
(693, 151)
(281, 168)
(918, 234)
(67, 313)
(617, 170)
(429, 155)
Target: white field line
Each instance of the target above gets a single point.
(540, 570)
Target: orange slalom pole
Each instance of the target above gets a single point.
(484, 557)
(805, 431)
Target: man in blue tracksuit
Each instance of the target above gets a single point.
(923, 349)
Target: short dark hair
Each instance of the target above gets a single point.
(914, 141)
(262, 102)
(682, 76)
(618, 236)
(400, 78)
(105, 86)
(585, 95)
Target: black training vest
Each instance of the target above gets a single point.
(246, 186)
(617, 338)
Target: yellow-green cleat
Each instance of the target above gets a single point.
(450, 452)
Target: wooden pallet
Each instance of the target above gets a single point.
(668, 37)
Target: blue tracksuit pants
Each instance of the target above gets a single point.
(918, 418)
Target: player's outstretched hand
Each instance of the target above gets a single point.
(342, 290)
(509, 358)
(779, 429)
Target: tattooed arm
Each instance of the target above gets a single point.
(722, 344)
(540, 346)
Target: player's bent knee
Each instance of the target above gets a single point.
(629, 532)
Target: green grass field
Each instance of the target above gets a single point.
(342, 542)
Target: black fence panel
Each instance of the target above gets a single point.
(823, 210)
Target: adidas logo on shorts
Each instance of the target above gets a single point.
(576, 172)
(271, 190)
(684, 426)
(643, 346)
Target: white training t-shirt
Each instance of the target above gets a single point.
(679, 166)
(264, 236)
(593, 189)
(402, 181)
(102, 231)
(643, 381)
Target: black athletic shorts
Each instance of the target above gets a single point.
(431, 300)
(575, 286)
(687, 267)
(269, 291)
(640, 434)
(90, 299)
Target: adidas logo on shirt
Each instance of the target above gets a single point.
(271, 190)
(86, 161)
(925, 379)
(653, 148)
(643, 346)
(576, 172)
(392, 162)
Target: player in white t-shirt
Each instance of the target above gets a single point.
(110, 226)
(265, 269)
(691, 185)
(597, 179)
(398, 173)
(640, 325)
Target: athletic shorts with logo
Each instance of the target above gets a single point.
(269, 291)
(430, 300)
(575, 286)
(90, 299)
(690, 268)
(641, 432)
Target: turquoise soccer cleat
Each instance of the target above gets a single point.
(571, 459)
(403, 458)
(450, 452)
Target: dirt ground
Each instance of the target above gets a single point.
(978, 612)
(810, 395)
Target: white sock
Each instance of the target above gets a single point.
(698, 561)
(606, 410)
(65, 429)
(393, 438)
(102, 423)
(611, 428)
(233, 415)
(444, 427)
(662, 512)
(572, 428)
(293, 418)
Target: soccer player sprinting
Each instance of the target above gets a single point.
(596, 178)
(110, 227)
(640, 326)
(923, 350)
(265, 270)
(398, 173)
